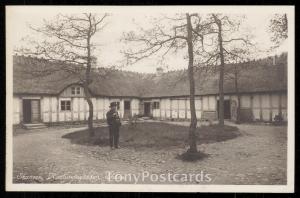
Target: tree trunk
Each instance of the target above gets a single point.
(221, 78)
(88, 80)
(193, 125)
(238, 109)
(91, 114)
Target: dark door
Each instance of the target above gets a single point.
(227, 114)
(35, 111)
(147, 108)
(26, 111)
(31, 111)
(127, 109)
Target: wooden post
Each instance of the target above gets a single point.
(84, 109)
(279, 105)
(65, 115)
(159, 108)
(21, 109)
(103, 108)
(171, 108)
(271, 107)
(57, 109)
(260, 107)
(208, 103)
(185, 107)
(50, 109)
(251, 106)
(72, 109)
(78, 101)
(178, 108)
(41, 109)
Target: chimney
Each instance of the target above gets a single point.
(159, 71)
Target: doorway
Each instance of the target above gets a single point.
(227, 109)
(147, 108)
(31, 111)
(127, 109)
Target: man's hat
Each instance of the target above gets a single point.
(113, 104)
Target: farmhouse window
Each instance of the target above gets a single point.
(75, 90)
(155, 105)
(118, 105)
(65, 105)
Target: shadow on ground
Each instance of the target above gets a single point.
(154, 135)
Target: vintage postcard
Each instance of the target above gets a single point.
(150, 98)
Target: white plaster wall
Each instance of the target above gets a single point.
(155, 113)
(135, 106)
(100, 108)
(265, 101)
(284, 114)
(205, 103)
(68, 116)
(188, 104)
(266, 114)
(81, 108)
(181, 110)
(188, 114)
(168, 105)
(106, 106)
(283, 100)
(54, 106)
(284, 106)
(198, 114)
(212, 103)
(16, 110)
(198, 104)
(256, 101)
(256, 114)
(45, 109)
(174, 106)
(275, 100)
(75, 106)
(245, 101)
(182, 114)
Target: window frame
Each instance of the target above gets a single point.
(75, 90)
(78, 90)
(118, 105)
(65, 105)
(156, 105)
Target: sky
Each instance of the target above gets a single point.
(123, 19)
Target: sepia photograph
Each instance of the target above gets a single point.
(150, 98)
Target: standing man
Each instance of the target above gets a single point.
(114, 123)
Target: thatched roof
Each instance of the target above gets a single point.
(36, 76)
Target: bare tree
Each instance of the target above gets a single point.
(68, 39)
(234, 72)
(224, 47)
(170, 34)
(278, 28)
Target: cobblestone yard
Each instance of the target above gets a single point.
(256, 156)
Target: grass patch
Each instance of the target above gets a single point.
(155, 135)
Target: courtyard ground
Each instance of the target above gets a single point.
(256, 154)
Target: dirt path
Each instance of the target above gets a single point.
(256, 157)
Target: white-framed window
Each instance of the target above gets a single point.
(156, 105)
(75, 90)
(118, 105)
(65, 105)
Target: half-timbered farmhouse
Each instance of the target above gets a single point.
(40, 96)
